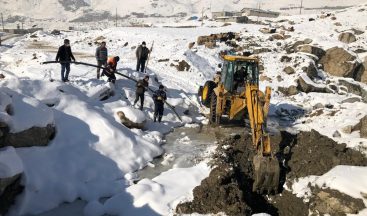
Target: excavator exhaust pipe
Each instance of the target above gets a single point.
(266, 174)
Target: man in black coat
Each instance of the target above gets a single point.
(142, 53)
(159, 97)
(141, 87)
(65, 55)
(101, 56)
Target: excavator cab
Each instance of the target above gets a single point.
(237, 96)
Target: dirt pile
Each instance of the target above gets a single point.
(228, 188)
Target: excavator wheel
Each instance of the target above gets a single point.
(207, 92)
(266, 174)
(214, 118)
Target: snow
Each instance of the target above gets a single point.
(10, 163)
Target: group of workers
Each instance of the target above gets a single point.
(109, 65)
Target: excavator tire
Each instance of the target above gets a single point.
(207, 92)
(214, 118)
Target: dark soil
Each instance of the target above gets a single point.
(228, 188)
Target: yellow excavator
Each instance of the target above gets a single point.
(235, 93)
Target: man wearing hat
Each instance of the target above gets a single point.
(142, 53)
(65, 55)
(141, 88)
(159, 97)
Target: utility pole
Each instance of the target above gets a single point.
(2, 21)
(300, 8)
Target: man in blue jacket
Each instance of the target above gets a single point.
(64, 55)
(159, 98)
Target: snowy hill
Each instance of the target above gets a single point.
(72, 9)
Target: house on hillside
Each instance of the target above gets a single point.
(229, 16)
(259, 12)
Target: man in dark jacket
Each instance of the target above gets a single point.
(110, 69)
(159, 97)
(141, 87)
(101, 56)
(142, 53)
(65, 55)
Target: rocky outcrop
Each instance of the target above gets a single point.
(34, 136)
(305, 84)
(347, 37)
(339, 62)
(317, 51)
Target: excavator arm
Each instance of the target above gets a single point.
(266, 166)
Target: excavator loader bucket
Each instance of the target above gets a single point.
(266, 174)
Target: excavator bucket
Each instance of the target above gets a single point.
(266, 174)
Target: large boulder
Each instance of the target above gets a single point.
(362, 127)
(305, 84)
(317, 51)
(339, 62)
(131, 117)
(347, 37)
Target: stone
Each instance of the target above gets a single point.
(311, 70)
(337, 134)
(55, 32)
(279, 44)
(191, 45)
(347, 37)
(309, 86)
(363, 130)
(264, 30)
(337, 24)
(347, 129)
(293, 47)
(333, 18)
(10, 188)
(261, 50)
(265, 78)
(285, 59)
(34, 136)
(289, 70)
(129, 123)
(289, 91)
(2, 76)
(307, 41)
(183, 66)
(210, 44)
(354, 88)
(163, 60)
(339, 62)
(357, 31)
(277, 36)
(361, 72)
(318, 106)
(317, 51)
(352, 100)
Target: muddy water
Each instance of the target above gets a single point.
(184, 147)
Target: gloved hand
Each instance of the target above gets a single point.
(159, 98)
(139, 84)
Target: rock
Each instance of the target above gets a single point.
(311, 70)
(352, 100)
(307, 41)
(35, 136)
(360, 50)
(311, 19)
(285, 59)
(337, 134)
(202, 40)
(163, 60)
(333, 18)
(291, 90)
(317, 51)
(55, 32)
(289, 70)
(318, 106)
(131, 123)
(332, 202)
(293, 47)
(337, 24)
(183, 66)
(305, 84)
(100, 38)
(279, 44)
(277, 36)
(339, 62)
(347, 37)
(347, 129)
(191, 45)
(210, 44)
(264, 30)
(261, 68)
(279, 78)
(357, 31)
(10, 188)
(363, 127)
(261, 50)
(2, 76)
(265, 78)
(361, 72)
(354, 88)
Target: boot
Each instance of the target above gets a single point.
(155, 119)
(159, 119)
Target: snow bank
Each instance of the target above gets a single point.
(26, 112)
(10, 163)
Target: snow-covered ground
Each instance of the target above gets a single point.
(93, 155)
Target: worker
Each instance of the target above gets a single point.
(239, 78)
(64, 55)
(101, 56)
(159, 98)
(142, 53)
(110, 69)
(141, 87)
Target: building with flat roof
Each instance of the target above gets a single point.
(259, 12)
